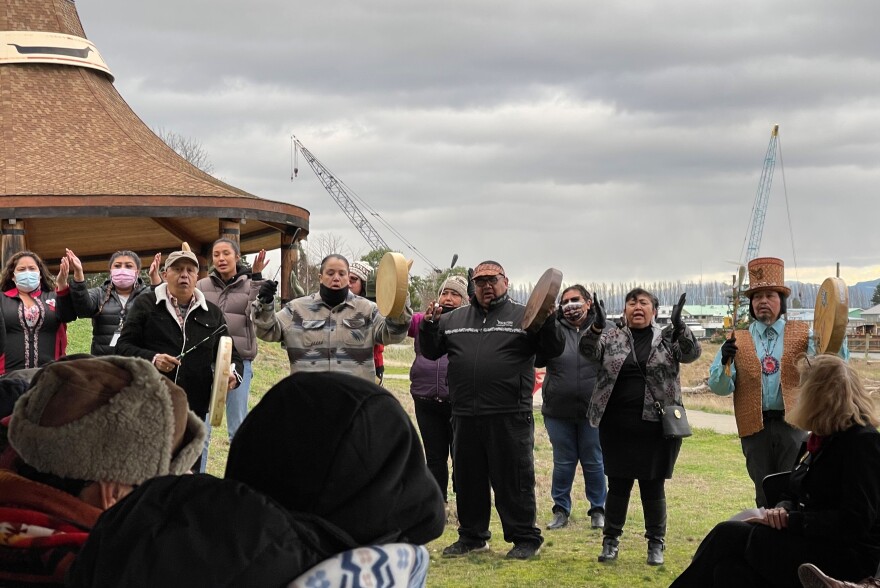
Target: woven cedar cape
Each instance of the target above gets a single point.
(747, 405)
(77, 163)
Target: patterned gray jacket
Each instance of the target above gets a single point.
(612, 347)
(321, 339)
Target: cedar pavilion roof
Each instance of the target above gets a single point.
(82, 171)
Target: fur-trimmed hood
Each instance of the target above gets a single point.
(112, 419)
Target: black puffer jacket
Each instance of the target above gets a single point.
(202, 531)
(571, 377)
(491, 358)
(88, 301)
(150, 329)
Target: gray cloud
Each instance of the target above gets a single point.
(616, 141)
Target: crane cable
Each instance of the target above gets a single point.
(788, 214)
(363, 203)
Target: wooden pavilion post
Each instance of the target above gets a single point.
(13, 238)
(230, 228)
(288, 262)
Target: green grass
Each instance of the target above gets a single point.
(710, 484)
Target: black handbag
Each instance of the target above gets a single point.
(674, 419)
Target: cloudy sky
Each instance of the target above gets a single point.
(616, 141)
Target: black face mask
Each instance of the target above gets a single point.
(445, 309)
(333, 297)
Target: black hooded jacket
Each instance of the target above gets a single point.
(341, 448)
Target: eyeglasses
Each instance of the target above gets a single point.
(487, 280)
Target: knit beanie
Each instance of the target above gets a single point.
(360, 269)
(107, 419)
(342, 448)
(456, 283)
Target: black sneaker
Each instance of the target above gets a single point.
(560, 519)
(524, 551)
(460, 548)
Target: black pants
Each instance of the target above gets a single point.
(435, 426)
(773, 449)
(648, 489)
(736, 554)
(495, 452)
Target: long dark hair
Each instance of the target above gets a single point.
(7, 278)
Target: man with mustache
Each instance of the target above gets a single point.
(491, 376)
(763, 378)
(176, 329)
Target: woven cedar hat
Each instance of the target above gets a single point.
(767, 273)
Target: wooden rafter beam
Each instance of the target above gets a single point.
(179, 232)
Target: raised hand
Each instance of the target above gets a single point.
(600, 320)
(260, 262)
(155, 278)
(728, 350)
(677, 323)
(471, 289)
(63, 273)
(433, 312)
(267, 292)
(76, 264)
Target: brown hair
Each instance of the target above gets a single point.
(7, 278)
(832, 397)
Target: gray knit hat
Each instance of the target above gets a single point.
(457, 283)
(107, 419)
(360, 269)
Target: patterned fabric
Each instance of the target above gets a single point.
(41, 530)
(611, 349)
(32, 345)
(180, 310)
(398, 565)
(319, 338)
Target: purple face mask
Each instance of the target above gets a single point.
(123, 278)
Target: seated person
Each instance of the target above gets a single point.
(342, 448)
(325, 463)
(86, 433)
(828, 516)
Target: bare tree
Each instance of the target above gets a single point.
(188, 148)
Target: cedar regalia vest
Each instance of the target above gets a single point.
(747, 406)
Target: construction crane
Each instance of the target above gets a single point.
(341, 197)
(759, 210)
(345, 198)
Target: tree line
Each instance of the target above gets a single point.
(423, 288)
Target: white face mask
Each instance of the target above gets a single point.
(27, 281)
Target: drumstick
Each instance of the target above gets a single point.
(737, 286)
(217, 330)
